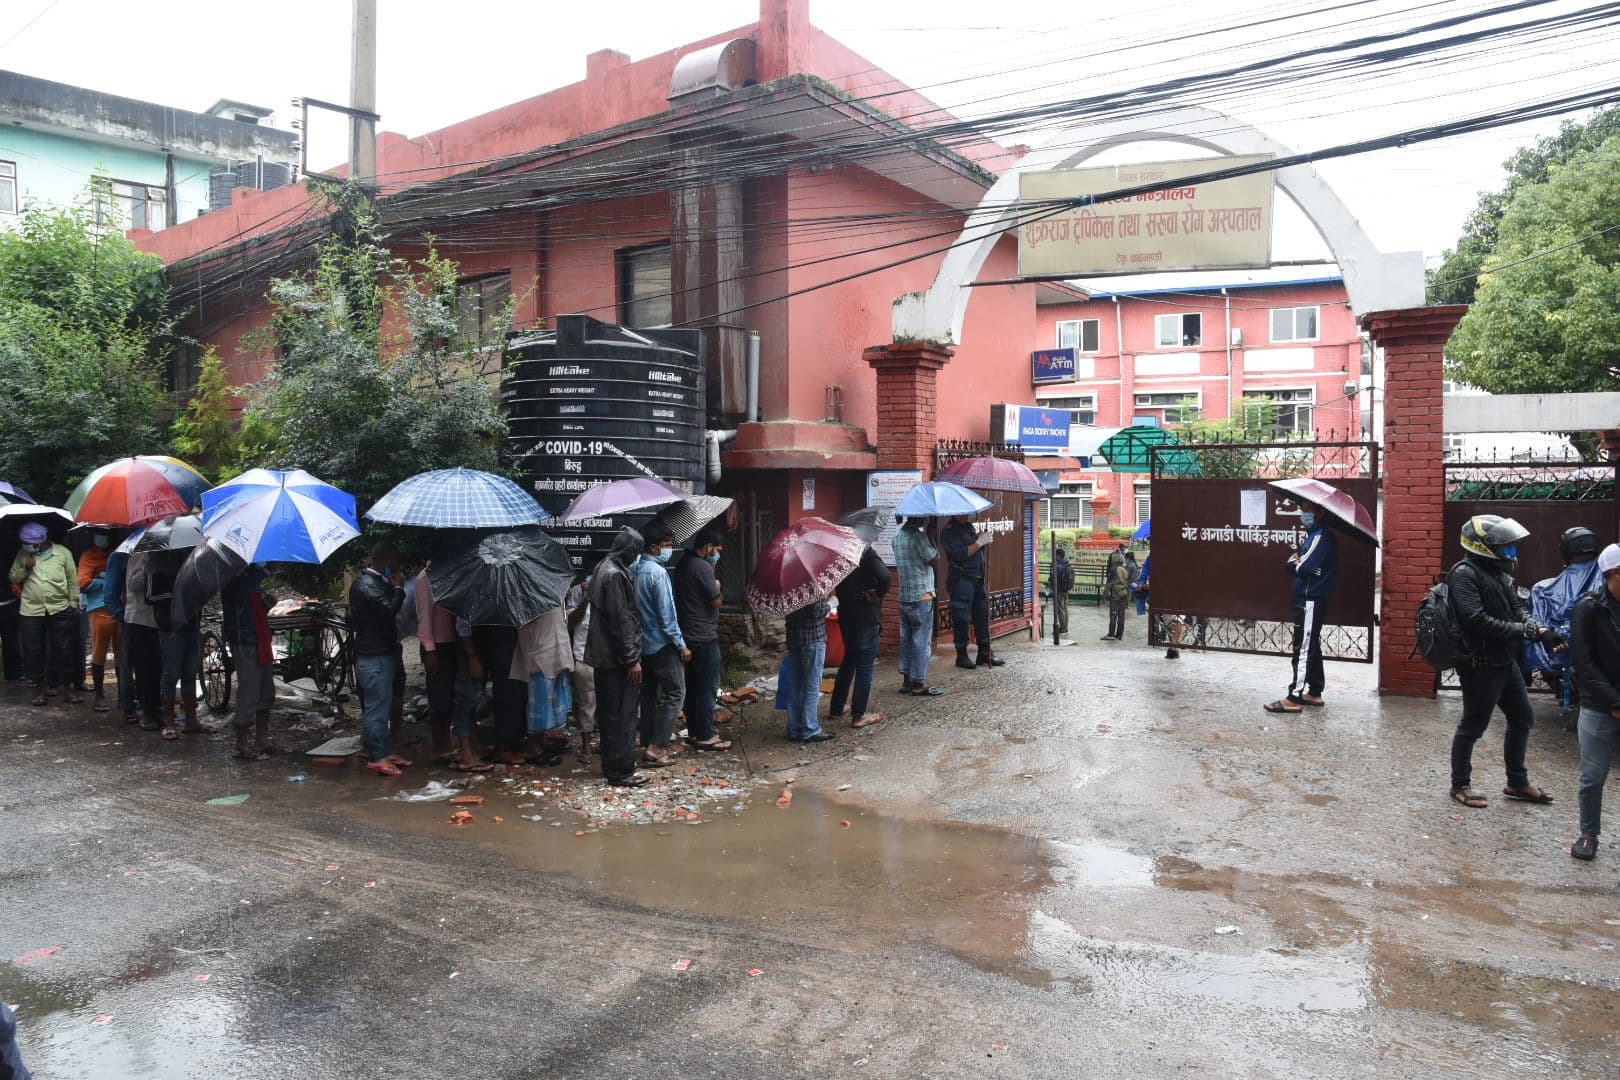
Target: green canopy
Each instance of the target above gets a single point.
(1130, 450)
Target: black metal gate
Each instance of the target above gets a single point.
(1221, 537)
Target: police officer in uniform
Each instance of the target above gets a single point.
(970, 599)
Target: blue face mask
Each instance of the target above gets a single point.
(663, 556)
(1308, 519)
(714, 558)
(1509, 552)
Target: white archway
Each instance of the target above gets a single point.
(1375, 280)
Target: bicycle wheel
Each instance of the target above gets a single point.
(331, 662)
(216, 672)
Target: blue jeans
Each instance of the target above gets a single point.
(1141, 602)
(1598, 730)
(374, 675)
(854, 682)
(806, 665)
(702, 683)
(916, 639)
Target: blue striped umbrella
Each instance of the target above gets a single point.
(458, 499)
(266, 515)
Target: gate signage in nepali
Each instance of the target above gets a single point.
(1033, 428)
(1053, 365)
(1223, 225)
(1220, 549)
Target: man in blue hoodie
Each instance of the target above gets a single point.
(1315, 567)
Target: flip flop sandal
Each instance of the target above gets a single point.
(478, 767)
(101, 706)
(718, 746)
(41, 700)
(867, 721)
(382, 768)
(170, 734)
(1313, 704)
(73, 699)
(1281, 706)
(649, 762)
(397, 761)
(630, 781)
(927, 691)
(1530, 794)
(1469, 798)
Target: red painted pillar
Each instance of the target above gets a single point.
(907, 428)
(1414, 342)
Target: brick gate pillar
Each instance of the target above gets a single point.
(1413, 462)
(907, 430)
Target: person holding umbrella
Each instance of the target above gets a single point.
(49, 581)
(613, 651)
(698, 599)
(1314, 566)
(374, 601)
(103, 625)
(860, 620)
(247, 627)
(914, 557)
(663, 649)
(970, 599)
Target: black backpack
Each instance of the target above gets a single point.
(1440, 638)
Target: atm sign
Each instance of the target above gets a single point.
(1054, 365)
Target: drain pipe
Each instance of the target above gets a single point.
(713, 440)
(753, 379)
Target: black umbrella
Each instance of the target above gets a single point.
(868, 522)
(170, 534)
(692, 515)
(505, 578)
(209, 568)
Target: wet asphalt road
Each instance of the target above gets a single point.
(1090, 862)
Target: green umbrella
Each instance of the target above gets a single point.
(1130, 450)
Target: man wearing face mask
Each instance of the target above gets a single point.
(103, 624)
(697, 601)
(970, 599)
(49, 580)
(1315, 568)
(663, 648)
(1491, 616)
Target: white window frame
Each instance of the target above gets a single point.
(1077, 328)
(9, 195)
(1076, 405)
(1139, 407)
(1177, 324)
(1293, 404)
(1142, 492)
(1076, 517)
(655, 295)
(470, 299)
(1293, 319)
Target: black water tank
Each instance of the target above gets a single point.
(221, 182)
(584, 400)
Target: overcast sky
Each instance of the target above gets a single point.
(442, 62)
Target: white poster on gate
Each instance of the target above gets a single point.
(886, 489)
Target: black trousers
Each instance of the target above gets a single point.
(140, 644)
(10, 640)
(126, 672)
(1116, 615)
(970, 607)
(51, 649)
(617, 705)
(496, 647)
(1309, 676)
(1483, 691)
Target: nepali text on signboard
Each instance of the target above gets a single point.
(1205, 226)
(1053, 365)
(886, 489)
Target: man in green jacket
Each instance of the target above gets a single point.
(49, 580)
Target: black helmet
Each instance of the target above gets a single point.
(1579, 543)
(1487, 534)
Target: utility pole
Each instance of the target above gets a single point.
(363, 94)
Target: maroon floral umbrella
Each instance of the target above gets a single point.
(993, 474)
(803, 564)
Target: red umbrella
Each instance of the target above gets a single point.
(803, 564)
(993, 474)
(1332, 501)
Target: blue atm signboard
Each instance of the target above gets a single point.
(1053, 365)
(1035, 429)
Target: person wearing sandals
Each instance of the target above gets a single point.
(374, 601)
(860, 621)
(697, 604)
(1594, 645)
(613, 650)
(49, 580)
(179, 647)
(1315, 569)
(914, 556)
(1489, 613)
(663, 649)
(247, 628)
(103, 624)
(140, 638)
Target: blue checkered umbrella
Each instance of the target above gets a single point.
(458, 499)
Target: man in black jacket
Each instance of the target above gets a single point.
(970, 599)
(1062, 583)
(860, 623)
(613, 650)
(1488, 610)
(1595, 648)
(374, 601)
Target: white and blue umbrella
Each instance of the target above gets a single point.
(458, 499)
(940, 498)
(267, 515)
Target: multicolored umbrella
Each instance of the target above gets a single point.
(803, 564)
(138, 490)
(994, 474)
(622, 497)
(505, 578)
(458, 499)
(1331, 501)
(941, 498)
(271, 516)
(11, 493)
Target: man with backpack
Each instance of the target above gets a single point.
(1595, 648)
(1493, 622)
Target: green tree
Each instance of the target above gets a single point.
(361, 409)
(1456, 279)
(204, 432)
(1546, 317)
(83, 320)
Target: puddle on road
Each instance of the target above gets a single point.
(966, 888)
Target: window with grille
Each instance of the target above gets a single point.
(1294, 324)
(1293, 408)
(645, 281)
(129, 205)
(1081, 335)
(1178, 331)
(1070, 508)
(1144, 501)
(481, 306)
(1082, 408)
(1171, 405)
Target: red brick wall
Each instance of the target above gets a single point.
(1414, 343)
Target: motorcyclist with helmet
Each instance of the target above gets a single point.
(1488, 610)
